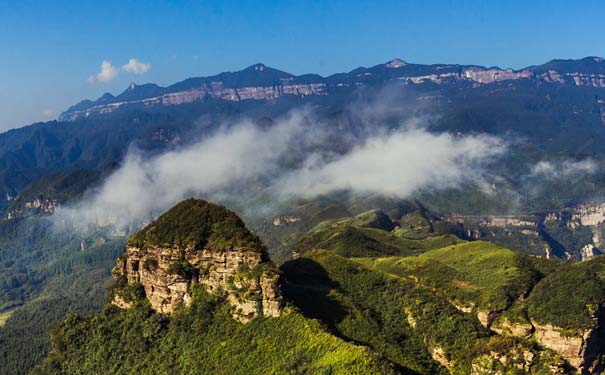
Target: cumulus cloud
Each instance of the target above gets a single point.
(238, 161)
(136, 67)
(107, 74)
(562, 168)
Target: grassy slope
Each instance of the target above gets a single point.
(359, 237)
(396, 316)
(473, 273)
(202, 339)
(492, 278)
(570, 296)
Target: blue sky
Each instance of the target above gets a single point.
(49, 49)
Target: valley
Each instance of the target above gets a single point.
(499, 271)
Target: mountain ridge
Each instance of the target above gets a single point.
(260, 82)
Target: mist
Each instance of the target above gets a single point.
(293, 157)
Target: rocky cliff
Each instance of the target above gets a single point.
(197, 242)
(259, 82)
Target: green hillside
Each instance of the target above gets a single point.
(201, 339)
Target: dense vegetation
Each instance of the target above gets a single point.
(196, 223)
(201, 339)
(25, 337)
(567, 298)
(44, 275)
(370, 294)
(396, 317)
(478, 274)
(369, 235)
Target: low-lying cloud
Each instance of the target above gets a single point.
(290, 158)
(562, 168)
(397, 164)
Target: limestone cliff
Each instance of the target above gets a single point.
(197, 242)
(580, 348)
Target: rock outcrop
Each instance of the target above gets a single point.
(572, 347)
(167, 267)
(579, 348)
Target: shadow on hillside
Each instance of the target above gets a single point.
(307, 285)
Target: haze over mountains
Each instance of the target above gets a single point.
(557, 106)
(373, 189)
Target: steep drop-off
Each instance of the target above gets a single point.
(199, 242)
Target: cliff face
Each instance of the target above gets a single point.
(259, 82)
(581, 349)
(239, 273)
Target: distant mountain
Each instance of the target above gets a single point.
(557, 107)
(259, 82)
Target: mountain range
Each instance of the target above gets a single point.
(502, 273)
(259, 82)
(556, 107)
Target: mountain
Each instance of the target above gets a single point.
(198, 243)
(558, 107)
(470, 307)
(552, 113)
(259, 82)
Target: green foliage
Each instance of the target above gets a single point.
(345, 238)
(476, 273)
(150, 264)
(182, 268)
(25, 337)
(201, 339)
(44, 274)
(196, 223)
(567, 298)
(367, 306)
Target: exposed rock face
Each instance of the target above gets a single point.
(579, 349)
(282, 220)
(37, 205)
(259, 82)
(232, 273)
(241, 274)
(572, 348)
(532, 228)
(215, 90)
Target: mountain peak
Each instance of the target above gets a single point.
(259, 67)
(395, 63)
(195, 222)
(106, 97)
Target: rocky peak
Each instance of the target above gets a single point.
(395, 63)
(197, 242)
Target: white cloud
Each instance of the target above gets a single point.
(107, 74)
(564, 168)
(238, 161)
(398, 164)
(136, 67)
